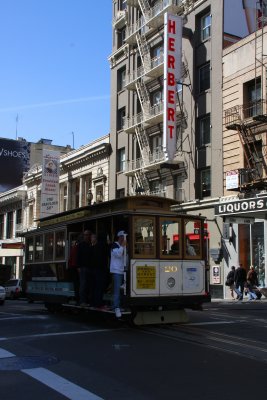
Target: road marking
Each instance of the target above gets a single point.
(60, 385)
(210, 323)
(40, 335)
(5, 354)
(24, 317)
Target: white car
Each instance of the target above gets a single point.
(13, 288)
(2, 295)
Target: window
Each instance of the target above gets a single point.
(65, 197)
(49, 246)
(121, 116)
(120, 193)
(252, 98)
(60, 245)
(144, 237)
(39, 248)
(205, 26)
(122, 4)
(170, 243)
(157, 97)
(121, 78)
(9, 225)
(2, 226)
(156, 56)
(192, 243)
(121, 36)
(204, 130)
(121, 160)
(205, 183)
(29, 249)
(204, 77)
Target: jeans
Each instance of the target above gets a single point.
(251, 295)
(117, 282)
(239, 289)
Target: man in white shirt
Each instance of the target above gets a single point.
(117, 257)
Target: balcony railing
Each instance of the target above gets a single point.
(255, 111)
(132, 30)
(129, 124)
(133, 76)
(155, 16)
(154, 113)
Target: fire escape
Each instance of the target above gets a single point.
(250, 120)
(138, 80)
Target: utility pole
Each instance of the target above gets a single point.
(72, 140)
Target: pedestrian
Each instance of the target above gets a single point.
(117, 266)
(190, 249)
(98, 269)
(83, 258)
(252, 282)
(73, 268)
(230, 281)
(240, 279)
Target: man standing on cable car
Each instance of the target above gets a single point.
(117, 265)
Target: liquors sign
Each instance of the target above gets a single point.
(241, 206)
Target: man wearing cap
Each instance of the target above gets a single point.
(117, 257)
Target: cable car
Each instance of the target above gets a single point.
(165, 271)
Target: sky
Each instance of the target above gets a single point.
(55, 74)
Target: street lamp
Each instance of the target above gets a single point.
(89, 197)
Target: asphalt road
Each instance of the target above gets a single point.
(220, 354)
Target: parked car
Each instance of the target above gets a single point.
(2, 295)
(13, 288)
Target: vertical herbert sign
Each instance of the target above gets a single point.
(50, 183)
(173, 25)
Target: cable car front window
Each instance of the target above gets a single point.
(49, 246)
(192, 244)
(29, 249)
(60, 245)
(170, 237)
(144, 237)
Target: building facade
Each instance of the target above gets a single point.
(244, 204)
(138, 163)
(83, 180)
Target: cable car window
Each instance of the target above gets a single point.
(29, 249)
(39, 248)
(192, 245)
(60, 245)
(170, 243)
(49, 246)
(144, 237)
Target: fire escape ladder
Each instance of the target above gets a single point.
(145, 8)
(143, 96)
(253, 160)
(142, 182)
(144, 51)
(143, 144)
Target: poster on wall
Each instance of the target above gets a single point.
(14, 162)
(50, 183)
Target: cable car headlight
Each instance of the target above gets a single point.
(171, 282)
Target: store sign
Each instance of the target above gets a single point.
(241, 206)
(50, 183)
(173, 25)
(232, 179)
(239, 220)
(216, 274)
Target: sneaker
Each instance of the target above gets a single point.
(118, 312)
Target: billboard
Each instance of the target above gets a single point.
(14, 162)
(173, 25)
(50, 183)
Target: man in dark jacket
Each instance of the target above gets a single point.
(83, 261)
(240, 279)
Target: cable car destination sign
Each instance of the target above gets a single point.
(172, 72)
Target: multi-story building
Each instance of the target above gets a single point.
(83, 180)
(244, 204)
(138, 162)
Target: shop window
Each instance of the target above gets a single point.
(205, 183)
(121, 160)
(204, 77)
(122, 5)
(170, 241)
(120, 193)
(205, 26)
(204, 130)
(192, 242)
(121, 78)
(144, 245)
